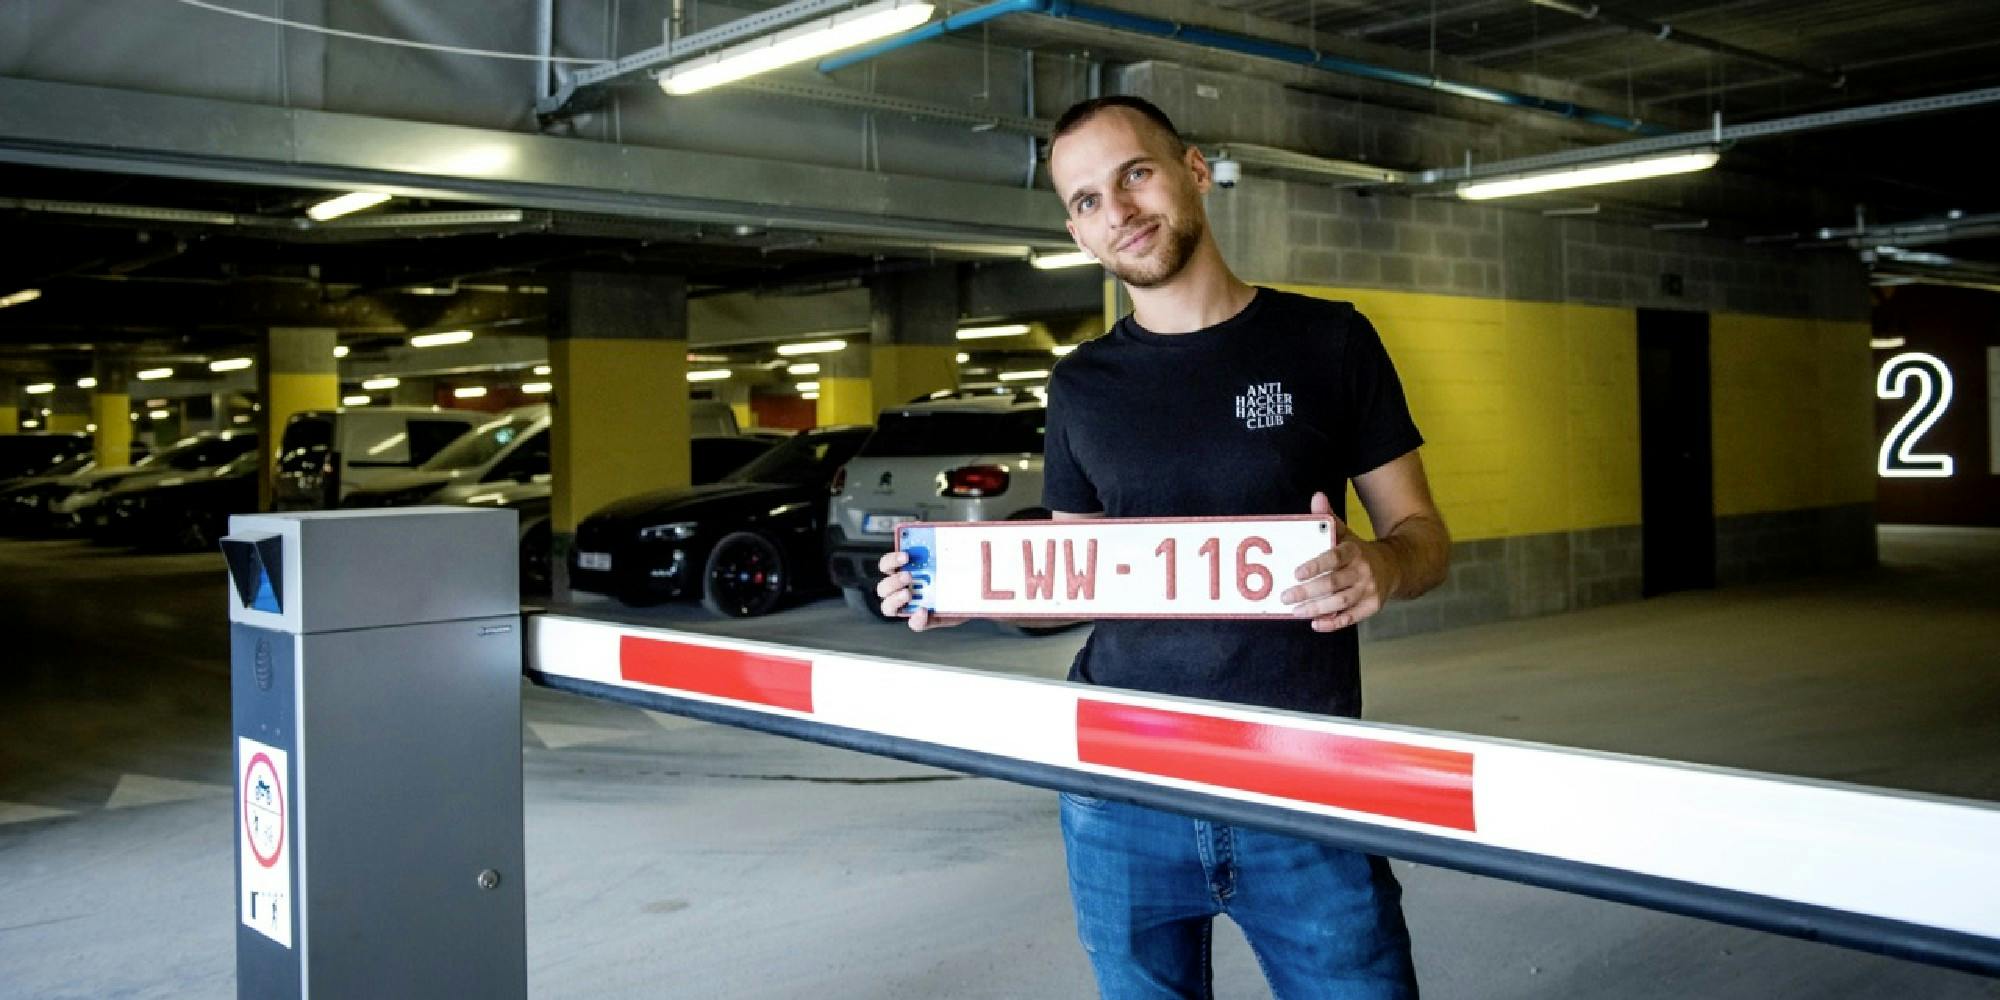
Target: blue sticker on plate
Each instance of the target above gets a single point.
(920, 544)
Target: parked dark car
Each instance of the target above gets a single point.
(24, 455)
(80, 508)
(526, 490)
(24, 502)
(182, 510)
(742, 545)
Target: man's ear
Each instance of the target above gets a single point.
(1204, 178)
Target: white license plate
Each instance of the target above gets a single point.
(882, 524)
(599, 561)
(1111, 567)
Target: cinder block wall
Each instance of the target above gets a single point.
(1516, 336)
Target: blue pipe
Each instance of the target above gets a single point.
(1242, 45)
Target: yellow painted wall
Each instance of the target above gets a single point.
(744, 417)
(1530, 410)
(845, 401)
(616, 401)
(113, 441)
(1792, 406)
(902, 372)
(66, 423)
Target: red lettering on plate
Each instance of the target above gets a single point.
(1045, 581)
(1084, 583)
(1246, 570)
(986, 576)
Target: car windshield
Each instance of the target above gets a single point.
(479, 445)
(919, 433)
(801, 461)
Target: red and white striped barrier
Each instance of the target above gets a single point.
(1898, 873)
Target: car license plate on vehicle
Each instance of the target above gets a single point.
(1111, 567)
(882, 524)
(599, 561)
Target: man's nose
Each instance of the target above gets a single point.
(1118, 209)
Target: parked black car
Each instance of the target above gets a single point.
(23, 455)
(741, 545)
(183, 510)
(81, 507)
(24, 502)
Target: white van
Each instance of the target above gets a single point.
(325, 455)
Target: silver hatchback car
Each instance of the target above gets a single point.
(962, 457)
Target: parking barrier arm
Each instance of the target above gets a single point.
(1902, 874)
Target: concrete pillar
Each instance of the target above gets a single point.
(297, 373)
(111, 410)
(1117, 301)
(69, 409)
(846, 390)
(10, 406)
(618, 344)
(912, 328)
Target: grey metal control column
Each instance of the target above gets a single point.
(375, 672)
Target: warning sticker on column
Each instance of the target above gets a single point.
(264, 841)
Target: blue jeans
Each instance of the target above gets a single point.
(1323, 922)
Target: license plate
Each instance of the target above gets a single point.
(1111, 567)
(882, 524)
(599, 561)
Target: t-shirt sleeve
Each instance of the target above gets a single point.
(1378, 417)
(1065, 486)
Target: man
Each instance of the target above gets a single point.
(1215, 398)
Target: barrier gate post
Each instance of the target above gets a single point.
(375, 671)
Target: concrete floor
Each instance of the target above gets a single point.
(673, 858)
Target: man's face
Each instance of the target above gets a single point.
(1133, 203)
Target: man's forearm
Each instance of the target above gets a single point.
(1419, 551)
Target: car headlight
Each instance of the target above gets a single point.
(678, 530)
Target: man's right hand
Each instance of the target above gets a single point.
(894, 590)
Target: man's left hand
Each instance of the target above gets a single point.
(1346, 584)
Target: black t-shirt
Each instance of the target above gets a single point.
(1291, 396)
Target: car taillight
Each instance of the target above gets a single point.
(974, 481)
(839, 484)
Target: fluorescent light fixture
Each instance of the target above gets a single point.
(158, 414)
(25, 295)
(32, 424)
(347, 204)
(536, 388)
(1023, 376)
(808, 386)
(441, 339)
(811, 40)
(812, 347)
(1589, 175)
(344, 401)
(708, 359)
(987, 332)
(1885, 343)
(1062, 349)
(708, 375)
(240, 418)
(90, 428)
(963, 357)
(154, 374)
(379, 384)
(544, 370)
(803, 368)
(339, 351)
(86, 382)
(468, 392)
(229, 365)
(1051, 261)
(808, 395)
(39, 388)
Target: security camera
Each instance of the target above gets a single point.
(1227, 172)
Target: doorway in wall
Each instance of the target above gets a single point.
(1676, 455)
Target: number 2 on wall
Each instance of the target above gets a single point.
(1933, 379)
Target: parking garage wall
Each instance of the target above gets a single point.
(1516, 336)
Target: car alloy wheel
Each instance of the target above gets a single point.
(745, 576)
